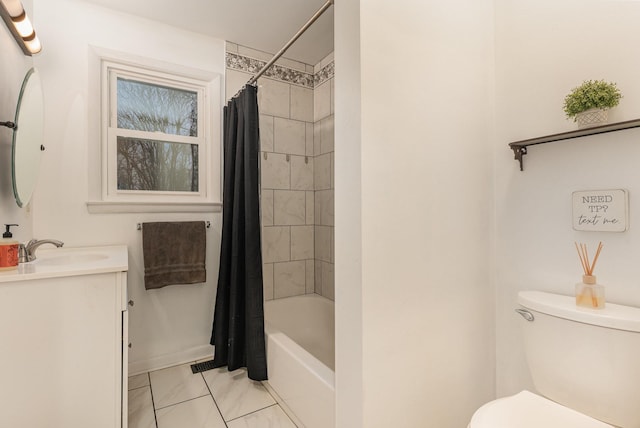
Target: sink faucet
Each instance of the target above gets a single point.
(27, 252)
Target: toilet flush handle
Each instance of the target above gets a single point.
(526, 314)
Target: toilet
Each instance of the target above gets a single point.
(585, 366)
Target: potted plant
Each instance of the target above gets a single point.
(588, 103)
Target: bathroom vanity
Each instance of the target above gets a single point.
(63, 340)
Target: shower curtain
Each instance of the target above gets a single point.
(238, 322)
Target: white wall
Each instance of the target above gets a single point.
(543, 50)
(168, 325)
(422, 259)
(13, 67)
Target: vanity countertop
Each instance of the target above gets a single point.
(60, 262)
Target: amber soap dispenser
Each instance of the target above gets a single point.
(589, 294)
(8, 250)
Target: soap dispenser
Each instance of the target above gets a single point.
(8, 250)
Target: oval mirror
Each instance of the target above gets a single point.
(28, 137)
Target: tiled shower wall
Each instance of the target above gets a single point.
(295, 260)
(323, 150)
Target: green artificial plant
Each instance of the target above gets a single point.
(591, 94)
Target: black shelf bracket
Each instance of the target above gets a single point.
(519, 152)
(520, 147)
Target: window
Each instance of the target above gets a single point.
(156, 136)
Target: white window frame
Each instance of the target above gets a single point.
(207, 86)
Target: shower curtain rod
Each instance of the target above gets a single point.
(290, 42)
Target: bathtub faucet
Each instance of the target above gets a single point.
(27, 252)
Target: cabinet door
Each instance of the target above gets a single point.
(61, 352)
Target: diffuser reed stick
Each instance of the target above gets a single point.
(588, 293)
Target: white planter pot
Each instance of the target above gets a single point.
(592, 117)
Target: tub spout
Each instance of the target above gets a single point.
(27, 252)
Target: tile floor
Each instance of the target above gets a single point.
(176, 398)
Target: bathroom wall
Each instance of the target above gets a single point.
(13, 67)
(296, 132)
(543, 50)
(414, 212)
(324, 160)
(168, 325)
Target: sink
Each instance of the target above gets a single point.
(71, 259)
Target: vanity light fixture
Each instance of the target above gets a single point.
(20, 26)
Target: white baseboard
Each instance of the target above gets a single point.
(168, 360)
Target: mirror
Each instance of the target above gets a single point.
(28, 136)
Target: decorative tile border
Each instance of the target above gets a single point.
(252, 65)
(327, 72)
(278, 72)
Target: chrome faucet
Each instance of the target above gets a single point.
(27, 252)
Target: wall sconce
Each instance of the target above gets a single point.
(20, 26)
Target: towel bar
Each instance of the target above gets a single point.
(139, 225)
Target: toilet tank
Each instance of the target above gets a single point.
(585, 359)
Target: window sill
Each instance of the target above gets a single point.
(108, 207)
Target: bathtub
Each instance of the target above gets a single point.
(300, 357)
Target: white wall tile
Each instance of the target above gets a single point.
(254, 53)
(276, 244)
(273, 97)
(289, 207)
(309, 138)
(302, 247)
(310, 273)
(266, 133)
(301, 103)
(323, 243)
(292, 64)
(322, 101)
(322, 172)
(324, 207)
(289, 279)
(301, 172)
(289, 136)
(333, 98)
(274, 171)
(317, 271)
(231, 47)
(326, 135)
(267, 280)
(310, 207)
(328, 281)
(266, 206)
(316, 139)
(234, 81)
(333, 170)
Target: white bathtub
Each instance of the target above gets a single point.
(300, 356)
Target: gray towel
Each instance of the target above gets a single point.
(174, 253)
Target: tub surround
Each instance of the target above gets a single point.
(296, 133)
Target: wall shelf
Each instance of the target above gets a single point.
(520, 147)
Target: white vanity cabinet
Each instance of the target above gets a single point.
(63, 340)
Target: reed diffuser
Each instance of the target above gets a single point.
(589, 294)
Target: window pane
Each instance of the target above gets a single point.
(157, 165)
(147, 107)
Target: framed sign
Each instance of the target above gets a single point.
(601, 210)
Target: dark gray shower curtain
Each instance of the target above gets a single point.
(238, 321)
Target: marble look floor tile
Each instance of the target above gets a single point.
(236, 394)
(271, 417)
(175, 385)
(138, 381)
(140, 407)
(197, 413)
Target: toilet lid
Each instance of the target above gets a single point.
(528, 410)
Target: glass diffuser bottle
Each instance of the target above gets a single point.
(589, 293)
